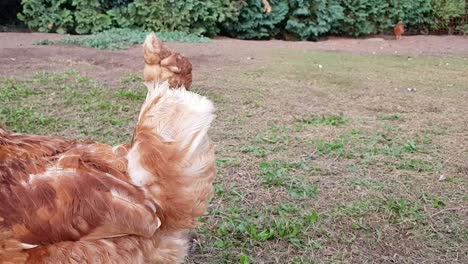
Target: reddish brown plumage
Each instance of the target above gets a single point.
(65, 194)
(399, 30)
(84, 202)
(163, 64)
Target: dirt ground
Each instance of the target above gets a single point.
(338, 151)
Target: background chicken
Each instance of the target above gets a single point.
(399, 30)
(162, 63)
(85, 202)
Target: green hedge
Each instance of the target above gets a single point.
(290, 19)
(252, 23)
(90, 16)
(363, 17)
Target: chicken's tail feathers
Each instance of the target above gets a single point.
(176, 115)
(171, 153)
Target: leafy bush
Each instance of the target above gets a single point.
(65, 16)
(47, 16)
(191, 16)
(115, 39)
(310, 19)
(253, 23)
(245, 19)
(364, 17)
(443, 11)
(90, 16)
(463, 29)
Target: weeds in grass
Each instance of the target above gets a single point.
(332, 120)
(399, 210)
(131, 78)
(273, 136)
(225, 162)
(83, 105)
(244, 259)
(335, 147)
(258, 226)
(418, 165)
(433, 200)
(403, 211)
(12, 89)
(357, 209)
(256, 151)
(390, 117)
(410, 147)
(26, 119)
(368, 184)
(275, 173)
(134, 95)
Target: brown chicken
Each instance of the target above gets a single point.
(162, 63)
(399, 30)
(84, 202)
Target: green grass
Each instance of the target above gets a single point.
(26, 119)
(256, 151)
(116, 39)
(404, 211)
(418, 165)
(390, 117)
(333, 120)
(281, 174)
(131, 94)
(69, 104)
(131, 78)
(13, 89)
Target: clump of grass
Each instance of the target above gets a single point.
(131, 94)
(435, 201)
(331, 120)
(27, 119)
(122, 38)
(274, 135)
(131, 78)
(335, 147)
(76, 106)
(239, 227)
(368, 184)
(403, 211)
(418, 165)
(12, 89)
(390, 117)
(244, 259)
(275, 173)
(256, 151)
(225, 162)
(357, 209)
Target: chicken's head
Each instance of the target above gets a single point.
(162, 64)
(153, 50)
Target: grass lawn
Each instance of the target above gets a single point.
(322, 157)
